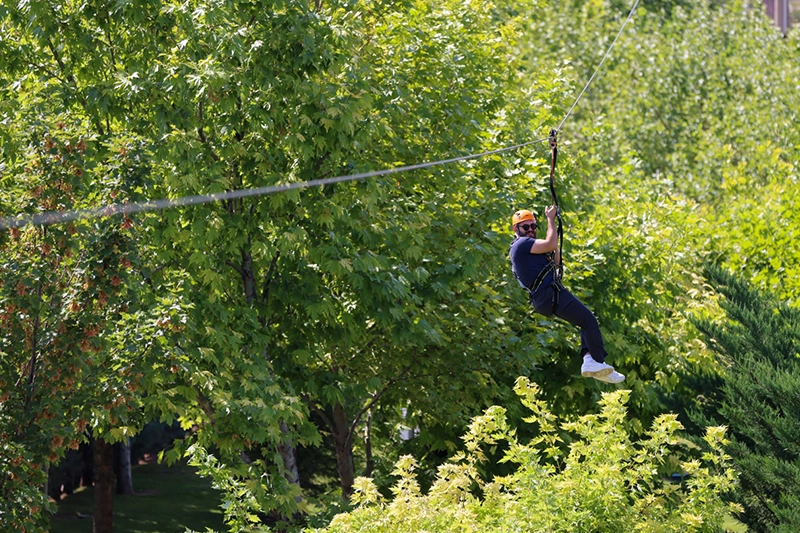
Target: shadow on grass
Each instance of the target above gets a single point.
(168, 499)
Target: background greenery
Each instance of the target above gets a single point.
(294, 335)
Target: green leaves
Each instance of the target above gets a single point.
(604, 481)
(756, 344)
(240, 318)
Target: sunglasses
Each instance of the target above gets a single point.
(526, 227)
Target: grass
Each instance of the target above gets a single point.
(168, 500)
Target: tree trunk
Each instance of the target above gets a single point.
(286, 447)
(124, 473)
(287, 452)
(87, 461)
(248, 273)
(104, 486)
(368, 446)
(344, 450)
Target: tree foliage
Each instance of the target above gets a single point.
(757, 399)
(697, 101)
(604, 481)
(65, 291)
(391, 298)
(682, 149)
(253, 312)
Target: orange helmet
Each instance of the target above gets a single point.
(522, 216)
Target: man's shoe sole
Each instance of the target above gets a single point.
(612, 381)
(600, 373)
(609, 381)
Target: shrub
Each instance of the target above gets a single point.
(600, 481)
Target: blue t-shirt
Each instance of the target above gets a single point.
(526, 265)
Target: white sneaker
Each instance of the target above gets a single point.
(592, 369)
(613, 377)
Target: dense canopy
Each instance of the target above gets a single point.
(291, 332)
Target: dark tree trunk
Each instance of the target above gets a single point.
(344, 450)
(247, 271)
(104, 486)
(124, 473)
(87, 463)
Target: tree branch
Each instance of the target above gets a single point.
(268, 277)
(206, 406)
(318, 411)
(235, 267)
(108, 36)
(34, 336)
(374, 400)
(71, 79)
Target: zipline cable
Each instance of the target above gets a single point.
(630, 15)
(553, 140)
(54, 217)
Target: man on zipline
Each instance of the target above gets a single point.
(535, 265)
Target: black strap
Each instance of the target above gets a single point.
(533, 287)
(539, 281)
(553, 157)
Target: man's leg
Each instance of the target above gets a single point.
(573, 311)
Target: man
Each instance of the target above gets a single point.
(534, 263)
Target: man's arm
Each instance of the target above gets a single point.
(550, 241)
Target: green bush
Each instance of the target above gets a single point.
(579, 475)
(756, 396)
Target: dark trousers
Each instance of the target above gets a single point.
(572, 310)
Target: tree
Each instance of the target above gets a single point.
(222, 97)
(759, 394)
(388, 302)
(253, 315)
(76, 57)
(63, 293)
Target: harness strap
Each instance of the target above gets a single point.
(537, 283)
